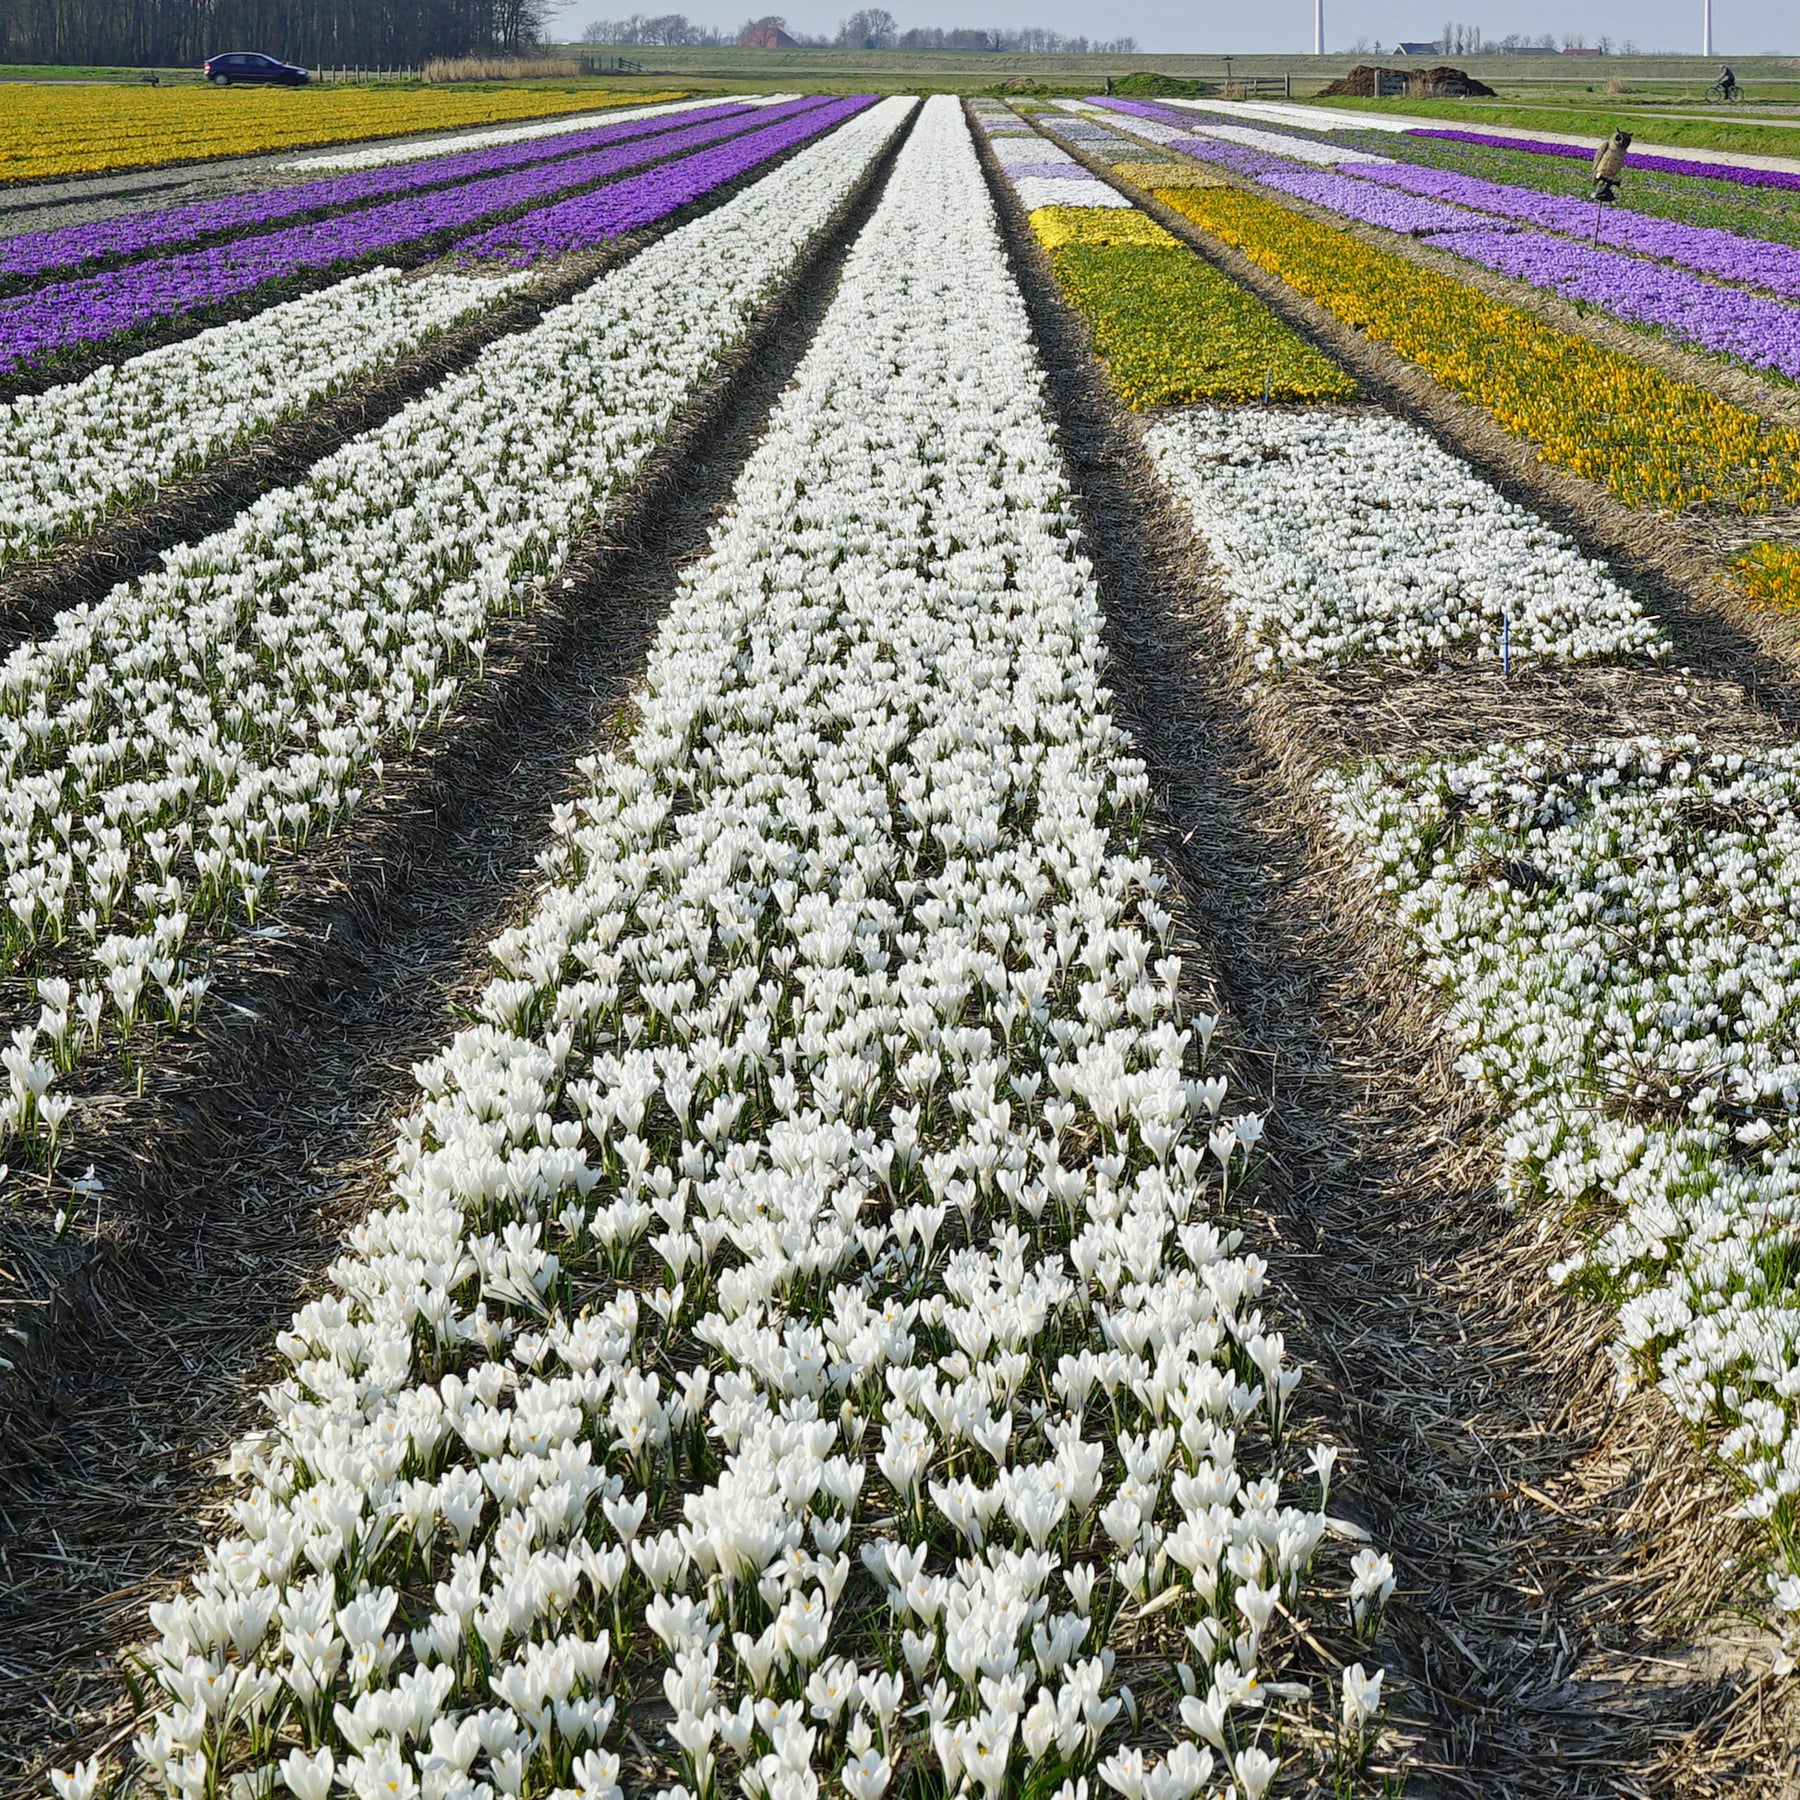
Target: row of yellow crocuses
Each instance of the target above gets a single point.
(68, 130)
(1770, 572)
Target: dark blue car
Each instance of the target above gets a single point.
(251, 65)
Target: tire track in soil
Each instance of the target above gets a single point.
(133, 542)
(230, 1184)
(1550, 1541)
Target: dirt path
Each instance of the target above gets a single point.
(230, 1182)
(1553, 1543)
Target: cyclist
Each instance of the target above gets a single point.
(1727, 83)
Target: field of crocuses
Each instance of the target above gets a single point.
(70, 130)
(834, 1296)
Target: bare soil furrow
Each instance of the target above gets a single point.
(1564, 1625)
(229, 1181)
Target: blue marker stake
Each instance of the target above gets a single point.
(1506, 644)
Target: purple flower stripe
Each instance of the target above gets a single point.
(41, 252)
(1763, 333)
(1713, 252)
(1661, 165)
(1049, 172)
(1371, 205)
(1145, 109)
(590, 219)
(1239, 158)
(73, 313)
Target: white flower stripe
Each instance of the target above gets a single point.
(1615, 932)
(1342, 536)
(376, 155)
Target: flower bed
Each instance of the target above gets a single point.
(610, 212)
(804, 1334)
(63, 128)
(1652, 440)
(1056, 227)
(71, 314)
(1725, 254)
(72, 455)
(1169, 327)
(376, 155)
(1614, 931)
(138, 233)
(1344, 537)
(1152, 175)
(1173, 330)
(164, 748)
(1391, 211)
(1736, 173)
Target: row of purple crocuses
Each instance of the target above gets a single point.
(137, 234)
(1762, 332)
(1732, 257)
(74, 314)
(594, 218)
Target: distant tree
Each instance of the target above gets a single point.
(175, 32)
(871, 28)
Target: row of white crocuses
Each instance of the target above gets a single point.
(74, 454)
(1615, 930)
(1351, 536)
(374, 156)
(160, 750)
(840, 1049)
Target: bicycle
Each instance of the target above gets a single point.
(1725, 92)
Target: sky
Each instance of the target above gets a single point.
(1740, 27)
